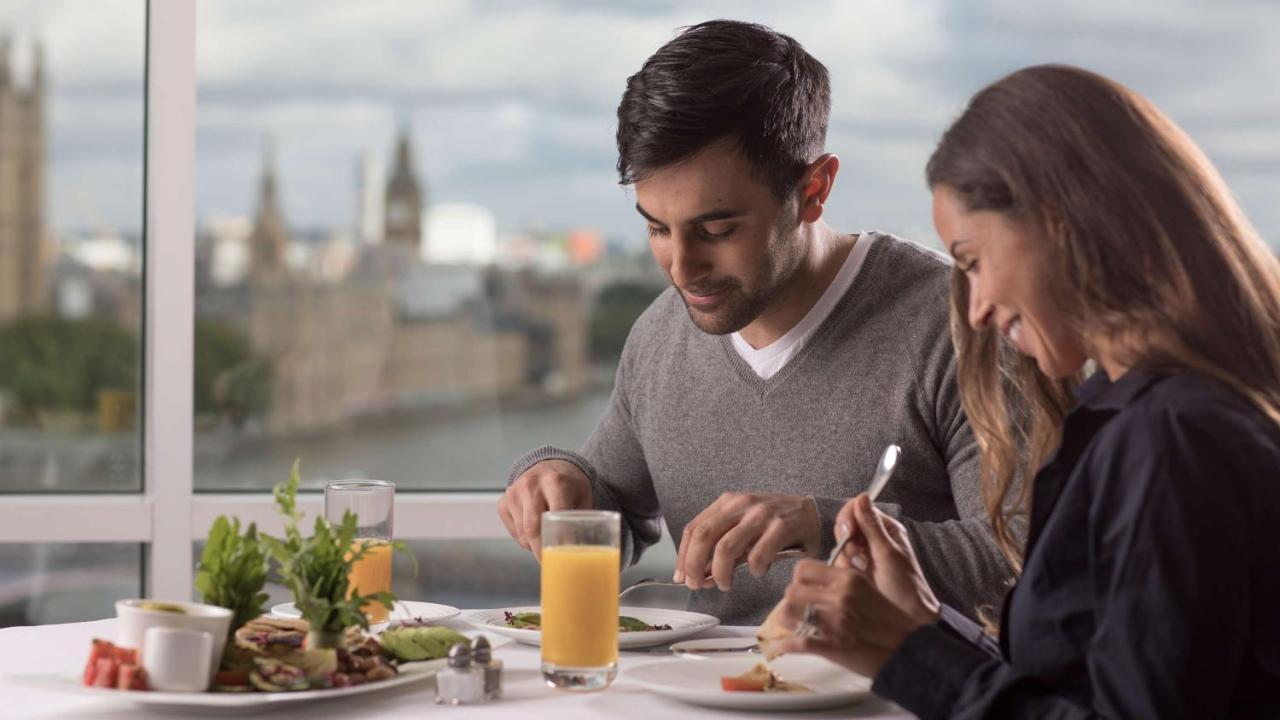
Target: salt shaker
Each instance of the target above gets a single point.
(461, 682)
(492, 668)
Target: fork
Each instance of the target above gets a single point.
(793, 552)
(884, 469)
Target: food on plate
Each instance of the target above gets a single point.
(274, 654)
(533, 621)
(272, 636)
(233, 571)
(275, 676)
(420, 643)
(771, 631)
(114, 667)
(158, 606)
(759, 679)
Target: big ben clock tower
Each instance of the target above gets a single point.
(404, 199)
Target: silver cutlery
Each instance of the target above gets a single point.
(793, 552)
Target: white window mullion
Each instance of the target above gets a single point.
(170, 292)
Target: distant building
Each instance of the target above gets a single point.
(391, 333)
(461, 234)
(269, 241)
(404, 199)
(371, 199)
(24, 251)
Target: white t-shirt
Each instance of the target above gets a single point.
(771, 358)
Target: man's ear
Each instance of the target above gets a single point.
(816, 184)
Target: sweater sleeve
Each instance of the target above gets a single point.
(959, 557)
(614, 461)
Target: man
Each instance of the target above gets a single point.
(757, 394)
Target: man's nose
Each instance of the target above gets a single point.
(688, 264)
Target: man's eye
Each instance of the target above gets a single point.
(969, 269)
(719, 232)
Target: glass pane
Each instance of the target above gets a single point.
(378, 294)
(71, 137)
(66, 582)
(415, 262)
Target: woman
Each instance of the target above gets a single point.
(1085, 225)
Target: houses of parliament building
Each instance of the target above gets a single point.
(396, 333)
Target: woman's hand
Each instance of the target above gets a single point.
(868, 603)
(858, 627)
(880, 548)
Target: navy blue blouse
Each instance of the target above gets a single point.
(1151, 587)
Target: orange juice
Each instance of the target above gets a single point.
(580, 605)
(370, 574)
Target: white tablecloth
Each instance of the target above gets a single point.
(63, 649)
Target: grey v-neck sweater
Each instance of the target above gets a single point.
(689, 420)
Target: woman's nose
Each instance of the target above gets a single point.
(979, 309)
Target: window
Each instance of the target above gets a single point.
(71, 141)
(388, 241)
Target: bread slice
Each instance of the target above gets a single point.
(771, 632)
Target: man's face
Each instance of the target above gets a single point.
(723, 239)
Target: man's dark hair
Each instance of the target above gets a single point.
(719, 80)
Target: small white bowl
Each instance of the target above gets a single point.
(133, 620)
(177, 659)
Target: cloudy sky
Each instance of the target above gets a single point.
(511, 102)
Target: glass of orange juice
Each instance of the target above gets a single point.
(580, 568)
(373, 502)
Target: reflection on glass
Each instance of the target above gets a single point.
(56, 583)
(70, 249)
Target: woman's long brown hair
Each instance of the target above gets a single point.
(1150, 256)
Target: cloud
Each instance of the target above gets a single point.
(511, 103)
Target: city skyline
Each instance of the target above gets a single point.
(522, 123)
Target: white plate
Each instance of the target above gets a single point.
(247, 702)
(405, 610)
(683, 624)
(698, 683)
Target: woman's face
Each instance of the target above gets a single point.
(1008, 268)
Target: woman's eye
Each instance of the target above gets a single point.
(970, 268)
(656, 231)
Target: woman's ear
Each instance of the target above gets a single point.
(819, 178)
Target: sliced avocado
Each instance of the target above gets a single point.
(420, 643)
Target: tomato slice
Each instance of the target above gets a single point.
(98, 650)
(132, 677)
(106, 671)
(737, 683)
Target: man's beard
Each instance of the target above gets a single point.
(736, 311)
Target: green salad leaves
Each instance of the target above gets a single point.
(315, 568)
(233, 571)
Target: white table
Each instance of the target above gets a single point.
(64, 648)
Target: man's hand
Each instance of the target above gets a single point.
(548, 485)
(755, 526)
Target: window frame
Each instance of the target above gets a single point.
(168, 515)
